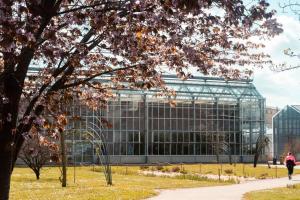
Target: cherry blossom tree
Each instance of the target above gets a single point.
(38, 150)
(71, 43)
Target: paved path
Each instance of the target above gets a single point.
(229, 192)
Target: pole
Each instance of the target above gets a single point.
(200, 168)
(74, 160)
(63, 158)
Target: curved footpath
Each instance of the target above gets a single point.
(228, 192)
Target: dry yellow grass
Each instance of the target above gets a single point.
(246, 170)
(127, 183)
(275, 194)
(91, 185)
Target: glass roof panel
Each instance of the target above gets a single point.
(198, 87)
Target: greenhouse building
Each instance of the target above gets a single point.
(213, 120)
(286, 131)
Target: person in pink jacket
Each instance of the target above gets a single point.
(290, 162)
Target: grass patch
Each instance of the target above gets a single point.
(275, 194)
(91, 184)
(241, 170)
(128, 183)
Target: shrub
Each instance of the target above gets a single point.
(166, 170)
(291, 186)
(228, 171)
(144, 167)
(97, 169)
(200, 178)
(159, 168)
(183, 171)
(263, 176)
(175, 169)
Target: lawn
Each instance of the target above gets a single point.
(245, 170)
(91, 185)
(275, 194)
(127, 183)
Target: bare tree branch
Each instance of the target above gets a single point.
(76, 83)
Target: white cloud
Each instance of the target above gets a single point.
(281, 88)
(289, 39)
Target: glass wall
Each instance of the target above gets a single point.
(223, 122)
(286, 131)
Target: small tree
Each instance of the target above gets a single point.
(222, 147)
(292, 145)
(38, 151)
(261, 142)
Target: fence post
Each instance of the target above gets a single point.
(219, 173)
(243, 170)
(234, 170)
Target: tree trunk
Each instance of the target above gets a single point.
(256, 156)
(63, 159)
(37, 174)
(229, 154)
(268, 164)
(217, 153)
(9, 89)
(5, 174)
(230, 159)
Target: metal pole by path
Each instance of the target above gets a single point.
(74, 159)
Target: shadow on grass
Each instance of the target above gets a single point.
(41, 180)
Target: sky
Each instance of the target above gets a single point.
(281, 88)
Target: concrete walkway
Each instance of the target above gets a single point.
(229, 192)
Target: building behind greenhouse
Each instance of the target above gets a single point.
(214, 119)
(286, 131)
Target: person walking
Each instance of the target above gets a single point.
(290, 162)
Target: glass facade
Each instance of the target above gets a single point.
(286, 131)
(212, 116)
